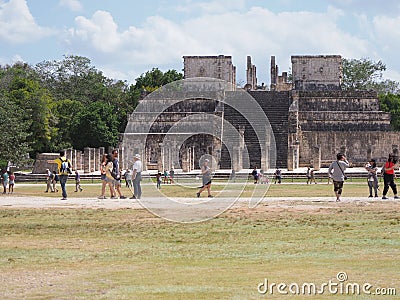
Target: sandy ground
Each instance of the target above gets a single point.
(49, 202)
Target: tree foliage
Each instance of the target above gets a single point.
(68, 103)
(95, 125)
(152, 80)
(391, 103)
(365, 74)
(14, 144)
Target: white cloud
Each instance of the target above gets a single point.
(387, 38)
(17, 24)
(73, 5)
(100, 32)
(257, 32)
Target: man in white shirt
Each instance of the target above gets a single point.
(336, 172)
(137, 177)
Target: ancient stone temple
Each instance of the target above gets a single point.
(184, 122)
(304, 122)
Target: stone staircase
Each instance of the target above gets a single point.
(276, 107)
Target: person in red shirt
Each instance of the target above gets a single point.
(389, 176)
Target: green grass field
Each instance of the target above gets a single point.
(131, 254)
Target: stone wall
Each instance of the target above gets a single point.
(341, 121)
(321, 72)
(359, 146)
(218, 67)
(341, 111)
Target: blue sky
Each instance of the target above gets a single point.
(126, 38)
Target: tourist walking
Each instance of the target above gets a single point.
(128, 178)
(158, 179)
(372, 177)
(336, 172)
(105, 166)
(312, 176)
(64, 170)
(11, 182)
(49, 179)
(117, 174)
(254, 173)
(308, 174)
(278, 175)
(55, 179)
(206, 178)
(137, 177)
(172, 175)
(77, 181)
(389, 176)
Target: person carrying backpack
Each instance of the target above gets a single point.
(64, 170)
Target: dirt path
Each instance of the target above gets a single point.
(309, 203)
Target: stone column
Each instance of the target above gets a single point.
(185, 160)
(237, 159)
(102, 151)
(293, 157)
(160, 157)
(316, 158)
(86, 160)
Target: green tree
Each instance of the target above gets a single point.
(152, 80)
(365, 74)
(64, 111)
(14, 144)
(34, 101)
(76, 80)
(391, 103)
(96, 125)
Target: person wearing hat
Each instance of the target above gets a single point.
(137, 177)
(206, 177)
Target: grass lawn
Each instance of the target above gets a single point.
(131, 254)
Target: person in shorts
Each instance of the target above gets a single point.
(11, 182)
(106, 176)
(78, 181)
(372, 177)
(49, 179)
(206, 177)
(336, 172)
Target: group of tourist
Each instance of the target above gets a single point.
(337, 168)
(165, 178)
(7, 179)
(111, 176)
(260, 177)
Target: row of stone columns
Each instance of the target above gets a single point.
(88, 160)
